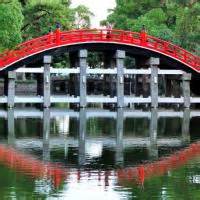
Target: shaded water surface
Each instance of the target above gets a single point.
(99, 154)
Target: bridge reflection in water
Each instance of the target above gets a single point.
(103, 158)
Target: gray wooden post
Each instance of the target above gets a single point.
(47, 82)
(83, 77)
(82, 133)
(186, 89)
(186, 126)
(153, 148)
(119, 139)
(11, 89)
(11, 127)
(46, 133)
(153, 63)
(120, 56)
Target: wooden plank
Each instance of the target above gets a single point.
(64, 99)
(101, 99)
(101, 71)
(170, 100)
(133, 99)
(194, 99)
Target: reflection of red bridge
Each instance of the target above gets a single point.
(159, 167)
(26, 164)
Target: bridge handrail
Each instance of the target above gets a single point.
(59, 38)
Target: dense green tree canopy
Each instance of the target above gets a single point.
(11, 20)
(174, 20)
(82, 17)
(41, 16)
(26, 19)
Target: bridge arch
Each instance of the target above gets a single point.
(132, 42)
(150, 53)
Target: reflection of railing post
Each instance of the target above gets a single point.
(82, 132)
(119, 138)
(83, 77)
(47, 81)
(11, 127)
(186, 126)
(46, 134)
(153, 148)
(120, 56)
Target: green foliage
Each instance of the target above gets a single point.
(95, 59)
(27, 19)
(11, 20)
(188, 27)
(41, 16)
(174, 20)
(82, 17)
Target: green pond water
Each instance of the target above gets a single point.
(66, 154)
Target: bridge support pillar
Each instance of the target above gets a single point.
(47, 82)
(83, 77)
(186, 89)
(153, 63)
(120, 56)
(82, 132)
(9, 88)
(153, 148)
(119, 139)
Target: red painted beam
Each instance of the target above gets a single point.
(59, 39)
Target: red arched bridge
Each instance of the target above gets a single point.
(156, 61)
(75, 37)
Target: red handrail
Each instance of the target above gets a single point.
(56, 39)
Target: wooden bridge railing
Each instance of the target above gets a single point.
(58, 38)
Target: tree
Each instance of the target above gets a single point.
(188, 27)
(11, 20)
(155, 23)
(41, 16)
(82, 17)
(173, 20)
